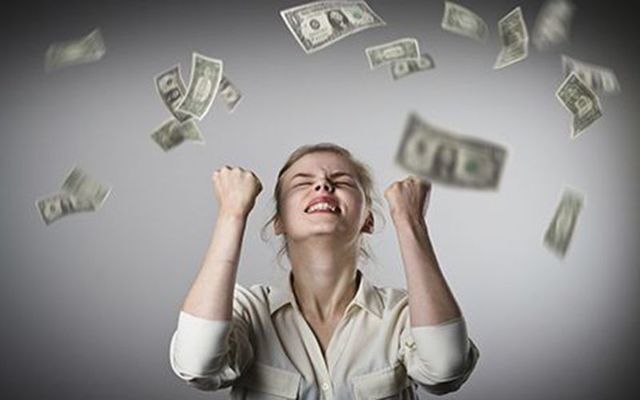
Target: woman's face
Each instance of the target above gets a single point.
(315, 175)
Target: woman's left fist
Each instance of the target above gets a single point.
(408, 198)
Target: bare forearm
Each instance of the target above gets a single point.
(211, 295)
(430, 299)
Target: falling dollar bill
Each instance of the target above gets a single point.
(599, 79)
(80, 192)
(558, 235)
(205, 79)
(461, 20)
(514, 39)
(229, 93)
(317, 25)
(172, 133)
(581, 101)
(400, 69)
(401, 49)
(553, 24)
(167, 136)
(438, 155)
(59, 205)
(83, 186)
(171, 89)
(79, 51)
(191, 132)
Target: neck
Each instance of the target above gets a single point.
(324, 280)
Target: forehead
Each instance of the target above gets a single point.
(319, 162)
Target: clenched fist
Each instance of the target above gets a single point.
(236, 190)
(408, 198)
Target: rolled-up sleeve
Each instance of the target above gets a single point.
(210, 355)
(439, 358)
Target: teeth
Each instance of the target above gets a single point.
(321, 206)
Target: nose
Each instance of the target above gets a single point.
(324, 185)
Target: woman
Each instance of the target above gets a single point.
(326, 331)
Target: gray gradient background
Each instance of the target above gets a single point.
(90, 302)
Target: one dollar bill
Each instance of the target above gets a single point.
(553, 24)
(438, 155)
(397, 50)
(558, 235)
(462, 21)
(599, 79)
(59, 205)
(229, 93)
(400, 69)
(581, 101)
(173, 132)
(205, 79)
(171, 89)
(317, 25)
(80, 193)
(87, 49)
(514, 39)
(85, 187)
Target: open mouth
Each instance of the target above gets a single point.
(322, 207)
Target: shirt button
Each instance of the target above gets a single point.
(325, 386)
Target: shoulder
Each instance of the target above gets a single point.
(391, 298)
(252, 294)
(250, 299)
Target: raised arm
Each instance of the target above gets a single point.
(211, 347)
(211, 295)
(430, 300)
(437, 351)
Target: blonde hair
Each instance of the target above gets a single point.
(363, 175)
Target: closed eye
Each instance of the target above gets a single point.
(346, 183)
(302, 184)
(341, 183)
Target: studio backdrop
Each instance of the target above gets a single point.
(89, 301)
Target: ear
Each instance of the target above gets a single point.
(368, 224)
(278, 227)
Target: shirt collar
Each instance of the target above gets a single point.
(366, 297)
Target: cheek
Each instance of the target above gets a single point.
(289, 207)
(356, 207)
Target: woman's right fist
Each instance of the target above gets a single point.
(236, 190)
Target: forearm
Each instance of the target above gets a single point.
(430, 298)
(211, 295)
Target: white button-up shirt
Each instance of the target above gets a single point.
(269, 351)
